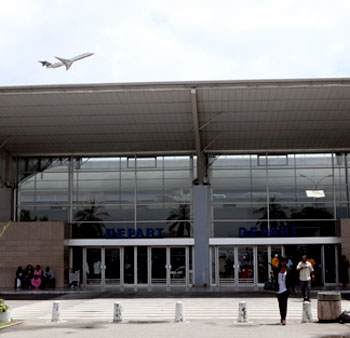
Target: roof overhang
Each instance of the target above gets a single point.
(158, 118)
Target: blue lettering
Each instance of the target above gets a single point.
(254, 232)
(284, 231)
(131, 232)
(139, 233)
(121, 233)
(109, 233)
(273, 232)
(264, 231)
(159, 232)
(293, 231)
(149, 233)
(242, 232)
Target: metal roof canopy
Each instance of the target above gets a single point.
(254, 116)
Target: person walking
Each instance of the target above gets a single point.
(306, 274)
(283, 280)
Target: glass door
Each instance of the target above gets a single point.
(112, 266)
(178, 270)
(142, 265)
(226, 273)
(129, 266)
(246, 265)
(93, 266)
(159, 266)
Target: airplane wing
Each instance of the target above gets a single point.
(66, 62)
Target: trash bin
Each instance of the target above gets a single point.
(328, 306)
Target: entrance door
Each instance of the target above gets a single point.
(226, 258)
(93, 266)
(129, 266)
(159, 266)
(178, 266)
(246, 265)
(112, 266)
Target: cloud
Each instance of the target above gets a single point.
(173, 40)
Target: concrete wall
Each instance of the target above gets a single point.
(5, 204)
(31, 243)
(345, 236)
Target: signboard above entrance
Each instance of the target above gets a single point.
(133, 233)
(267, 232)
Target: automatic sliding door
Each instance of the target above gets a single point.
(142, 265)
(178, 268)
(129, 265)
(112, 263)
(93, 266)
(246, 265)
(226, 265)
(159, 266)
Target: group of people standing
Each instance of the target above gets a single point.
(34, 277)
(284, 280)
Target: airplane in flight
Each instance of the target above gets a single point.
(65, 62)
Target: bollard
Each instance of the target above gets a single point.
(242, 312)
(179, 312)
(307, 314)
(118, 313)
(56, 312)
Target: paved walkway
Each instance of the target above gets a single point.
(260, 310)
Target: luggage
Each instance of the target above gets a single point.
(345, 317)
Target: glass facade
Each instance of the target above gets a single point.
(292, 195)
(109, 197)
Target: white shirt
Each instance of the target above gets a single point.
(282, 277)
(97, 268)
(305, 274)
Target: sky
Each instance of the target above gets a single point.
(161, 40)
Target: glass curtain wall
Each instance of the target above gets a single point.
(109, 197)
(278, 195)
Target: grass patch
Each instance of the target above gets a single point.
(12, 322)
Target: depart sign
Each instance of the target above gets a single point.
(133, 233)
(266, 232)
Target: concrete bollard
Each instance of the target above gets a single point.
(56, 312)
(307, 314)
(118, 313)
(242, 312)
(179, 312)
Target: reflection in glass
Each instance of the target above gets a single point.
(112, 272)
(178, 266)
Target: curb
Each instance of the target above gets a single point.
(16, 322)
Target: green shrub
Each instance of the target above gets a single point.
(3, 306)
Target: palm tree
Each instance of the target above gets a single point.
(92, 213)
(179, 218)
(275, 212)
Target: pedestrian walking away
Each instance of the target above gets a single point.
(283, 279)
(306, 274)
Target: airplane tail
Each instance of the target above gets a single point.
(45, 63)
(66, 62)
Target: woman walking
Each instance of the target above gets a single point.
(283, 279)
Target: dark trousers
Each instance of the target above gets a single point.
(305, 289)
(282, 303)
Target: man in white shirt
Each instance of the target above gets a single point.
(97, 269)
(306, 273)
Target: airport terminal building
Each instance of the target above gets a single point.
(175, 185)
